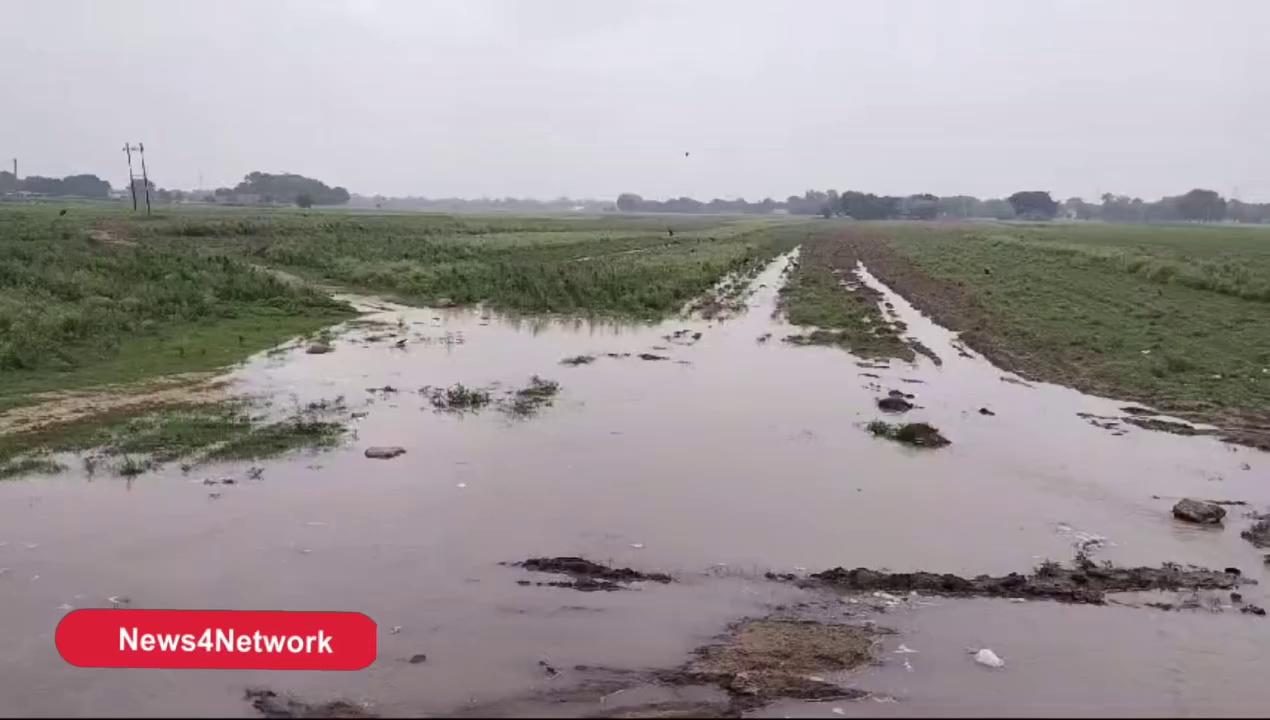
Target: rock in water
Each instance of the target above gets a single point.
(319, 348)
(989, 659)
(384, 453)
(1198, 511)
(895, 404)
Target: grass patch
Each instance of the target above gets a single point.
(1117, 310)
(29, 466)
(457, 397)
(527, 401)
(821, 293)
(132, 444)
(915, 434)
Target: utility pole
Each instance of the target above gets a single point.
(15, 168)
(132, 186)
(145, 179)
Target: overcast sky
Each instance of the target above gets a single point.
(597, 97)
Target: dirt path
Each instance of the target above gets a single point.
(953, 307)
(60, 408)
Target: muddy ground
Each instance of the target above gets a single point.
(729, 460)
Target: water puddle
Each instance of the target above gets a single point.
(730, 457)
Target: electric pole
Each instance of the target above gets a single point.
(145, 179)
(132, 185)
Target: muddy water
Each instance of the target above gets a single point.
(731, 458)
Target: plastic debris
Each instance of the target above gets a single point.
(638, 546)
(839, 711)
(908, 666)
(904, 650)
(117, 600)
(461, 485)
(988, 658)
(30, 546)
(396, 629)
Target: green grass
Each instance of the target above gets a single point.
(816, 297)
(102, 296)
(78, 309)
(136, 442)
(1177, 316)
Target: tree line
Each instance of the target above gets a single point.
(260, 187)
(1198, 205)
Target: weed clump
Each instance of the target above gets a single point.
(457, 398)
(915, 434)
(577, 360)
(532, 398)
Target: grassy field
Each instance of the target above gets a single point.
(82, 304)
(98, 295)
(1175, 316)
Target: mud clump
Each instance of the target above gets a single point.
(1198, 511)
(652, 357)
(384, 453)
(915, 434)
(588, 576)
(270, 705)
(319, 348)
(765, 660)
(921, 348)
(1083, 582)
(894, 404)
(1169, 426)
(577, 360)
(1258, 535)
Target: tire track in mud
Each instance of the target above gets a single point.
(953, 307)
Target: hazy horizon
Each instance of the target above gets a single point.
(588, 100)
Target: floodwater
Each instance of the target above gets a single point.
(731, 458)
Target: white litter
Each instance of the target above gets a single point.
(885, 596)
(815, 678)
(65, 606)
(799, 568)
(315, 523)
(1018, 600)
(395, 629)
(989, 659)
(638, 546)
(839, 711)
(461, 485)
(908, 666)
(904, 650)
(30, 546)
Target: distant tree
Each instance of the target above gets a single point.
(223, 192)
(164, 195)
(920, 207)
(997, 208)
(1080, 209)
(304, 200)
(1203, 205)
(1033, 204)
(629, 202)
(85, 186)
(41, 185)
(272, 187)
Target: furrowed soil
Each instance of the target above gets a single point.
(711, 496)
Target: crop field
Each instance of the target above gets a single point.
(97, 296)
(1175, 316)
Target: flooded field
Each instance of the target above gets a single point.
(714, 458)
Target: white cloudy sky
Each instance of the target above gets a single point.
(596, 97)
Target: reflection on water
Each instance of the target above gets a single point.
(751, 456)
